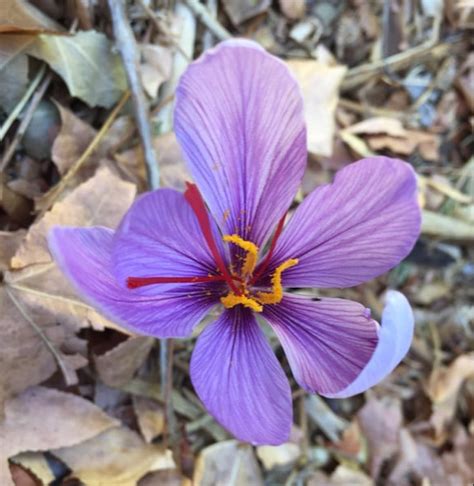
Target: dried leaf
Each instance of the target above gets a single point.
(443, 389)
(13, 82)
(19, 16)
(218, 463)
(117, 367)
(155, 68)
(150, 416)
(342, 476)
(118, 456)
(278, 456)
(36, 463)
(320, 88)
(293, 9)
(102, 200)
(9, 243)
(380, 422)
(86, 61)
(446, 227)
(379, 124)
(242, 10)
(41, 418)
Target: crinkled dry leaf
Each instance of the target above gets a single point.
(12, 45)
(9, 243)
(150, 416)
(88, 64)
(241, 10)
(380, 422)
(155, 68)
(278, 456)
(118, 456)
(102, 200)
(220, 462)
(20, 16)
(319, 84)
(117, 367)
(443, 389)
(36, 463)
(41, 419)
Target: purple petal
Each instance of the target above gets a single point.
(395, 336)
(240, 381)
(160, 237)
(327, 342)
(239, 120)
(83, 254)
(354, 229)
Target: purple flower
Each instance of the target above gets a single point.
(239, 120)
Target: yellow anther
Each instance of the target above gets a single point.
(251, 249)
(276, 295)
(231, 300)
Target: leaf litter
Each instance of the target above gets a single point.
(77, 389)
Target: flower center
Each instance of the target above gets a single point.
(245, 296)
(240, 283)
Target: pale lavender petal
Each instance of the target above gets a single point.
(83, 254)
(327, 342)
(240, 381)
(239, 120)
(160, 237)
(354, 229)
(395, 337)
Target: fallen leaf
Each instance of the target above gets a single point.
(150, 416)
(36, 463)
(380, 422)
(446, 227)
(379, 124)
(241, 10)
(342, 476)
(87, 63)
(426, 143)
(443, 388)
(155, 68)
(13, 82)
(322, 415)
(116, 367)
(102, 200)
(278, 456)
(41, 419)
(118, 456)
(20, 16)
(293, 9)
(9, 243)
(220, 462)
(165, 477)
(12, 45)
(319, 84)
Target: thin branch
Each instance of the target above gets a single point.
(127, 47)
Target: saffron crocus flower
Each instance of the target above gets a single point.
(239, 120)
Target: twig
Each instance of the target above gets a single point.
(204, 16)
(24, 100)
(127, 47)
(37, 97)
(51, 196)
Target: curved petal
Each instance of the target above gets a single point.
(354, 229)
(239, 120)
(240, 381)
(160, 237)
(395, 337)
(327, 342)
(83, 254)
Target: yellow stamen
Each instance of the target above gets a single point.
(231, 300)
(251, 249)
(276, 295)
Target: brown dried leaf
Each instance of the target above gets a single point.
(9, 243)
(150, 416)
(19, 16)
(379, 124)
(41, 418)
(380, 422)
(242, 10)
(102, 200)
(220, 462)
(443, 389)
(117, 367)
(320, 88)
(155, 68)
(118, 456)
(12, 45)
